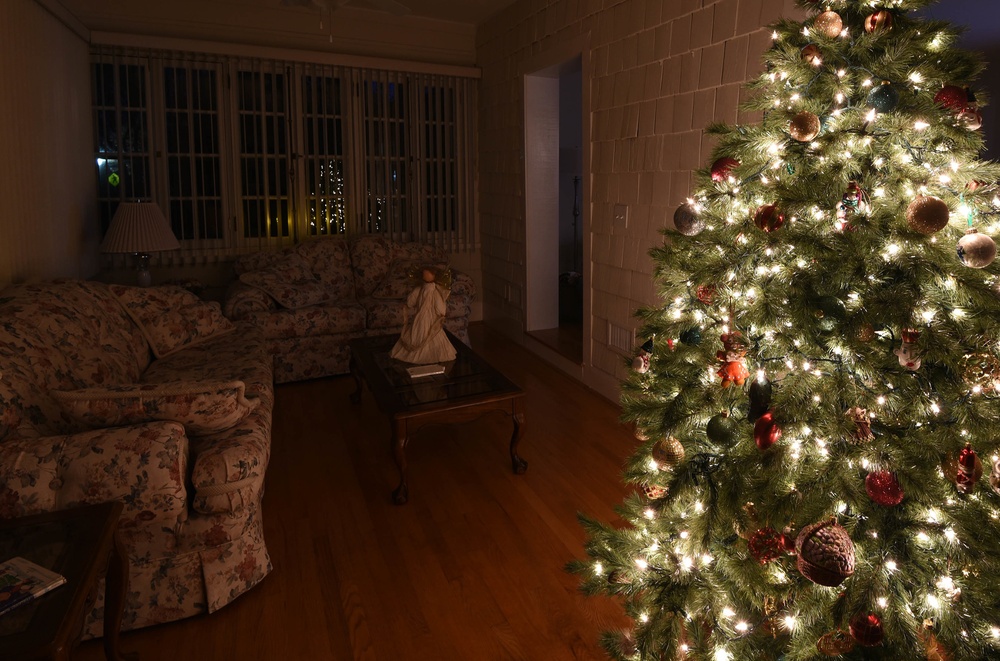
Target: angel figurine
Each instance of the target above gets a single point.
(423, 340)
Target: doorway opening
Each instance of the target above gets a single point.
(555, 218)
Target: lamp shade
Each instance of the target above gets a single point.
(139, 227)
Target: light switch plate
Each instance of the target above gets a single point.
(621, 215)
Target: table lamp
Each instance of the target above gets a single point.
(139, 228)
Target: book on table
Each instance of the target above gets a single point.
(23, 581)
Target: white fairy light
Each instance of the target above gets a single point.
(598, 568)
(641, 563)
(882, 602)
(891, 566)
(933, 601)
(650, 513)
(920, 125)
(870, 117)
(643, 617)
(916, 77)
(722, 654)
(790, 622)
(742, 627)
(728, 612)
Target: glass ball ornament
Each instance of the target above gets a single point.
(804, 126)
(766, 431)
(883, 98)
(880, 21)
(768, 218)
(976, 250)
(829, 24)
(867, 629)
(952, 97)
(721, 429)
(723, 168)
(668, 452)
(687, 221)
(927, 214)
(691, 336)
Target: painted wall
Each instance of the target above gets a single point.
(48, 222)
(656, 73)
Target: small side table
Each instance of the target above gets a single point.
(78, 543)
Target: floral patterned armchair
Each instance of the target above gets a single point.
(151, 397)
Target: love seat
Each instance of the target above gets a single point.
(312, 299)
(151, 397)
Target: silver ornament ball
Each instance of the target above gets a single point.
(976, 250)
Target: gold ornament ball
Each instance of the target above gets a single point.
(927, 214)
(866, 332)
(669, 452)
(804, 126)
(829, 23)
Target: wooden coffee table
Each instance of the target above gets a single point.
(79, 543)
(469, 389)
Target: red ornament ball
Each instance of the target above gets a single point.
(884, 488)
(880, 21)
(804, 126)
(866, 628)
(723, 167)
(952, 97)
(768, 218)
(927, 214)
(766, 431)
(826, 553)
(766, 545)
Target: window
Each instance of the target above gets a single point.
(245, 154)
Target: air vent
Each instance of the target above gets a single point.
(621, 339)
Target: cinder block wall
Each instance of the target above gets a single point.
(656, 72)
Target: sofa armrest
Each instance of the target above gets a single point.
(462, 283)
(228, 471)
(242, 300)
(144, 466)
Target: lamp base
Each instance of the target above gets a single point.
(143, 277)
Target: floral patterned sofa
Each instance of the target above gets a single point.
(148, 396)
(311, 299)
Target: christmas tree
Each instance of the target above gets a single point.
(821, 385)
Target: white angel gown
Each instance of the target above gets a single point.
(423, 340)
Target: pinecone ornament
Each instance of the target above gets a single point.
(826, 553)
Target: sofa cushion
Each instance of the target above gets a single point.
(202, 408)
(330, 261)
(370, 259)
(404, 275)
(342, 317)
(256, 261)
(289, 282)
(171, 318)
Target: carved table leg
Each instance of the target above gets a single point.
(402, 493)
(115, 589)
(519, 465)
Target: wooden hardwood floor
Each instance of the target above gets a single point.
(471, 569)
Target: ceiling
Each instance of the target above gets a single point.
(471, 12)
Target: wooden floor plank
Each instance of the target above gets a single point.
(470, 569)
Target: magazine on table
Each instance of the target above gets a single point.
(22, 581)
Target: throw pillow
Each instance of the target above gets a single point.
(203, 408)
(171, 318)
(405, 274)
(290, 282)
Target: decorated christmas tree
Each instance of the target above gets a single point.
(817, 407)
